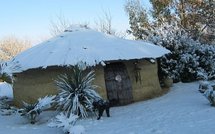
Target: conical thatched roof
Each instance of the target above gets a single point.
(82, 44)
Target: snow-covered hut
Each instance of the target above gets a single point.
(126, 70)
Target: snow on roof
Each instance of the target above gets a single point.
(82, 44)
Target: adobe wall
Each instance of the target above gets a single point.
(35, 83)
(149, 85)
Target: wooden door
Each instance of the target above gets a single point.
(118, 84)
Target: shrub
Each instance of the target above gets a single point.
(210, 95)
(4, 76)
(5, 107)
(203, 86)
(189, 60)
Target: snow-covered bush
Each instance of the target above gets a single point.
(76, 92)
(3, 103)
(189, 60)
(203, 86)
(67, 124)
(6, 69)
(5, 107)
(4, 76)
(32, 111)
(210, 95)
(206, 60)
(6, 98)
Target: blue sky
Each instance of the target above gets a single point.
(31, 18)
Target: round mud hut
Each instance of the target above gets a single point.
(125, 70)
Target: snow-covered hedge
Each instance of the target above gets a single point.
(189, 60)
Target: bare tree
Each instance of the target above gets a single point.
(10, 46)
(59, 25)
(104, 25)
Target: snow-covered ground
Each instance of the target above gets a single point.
(6, 90)
(181, 111)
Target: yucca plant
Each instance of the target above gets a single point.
(76, 92)
(32, 111)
